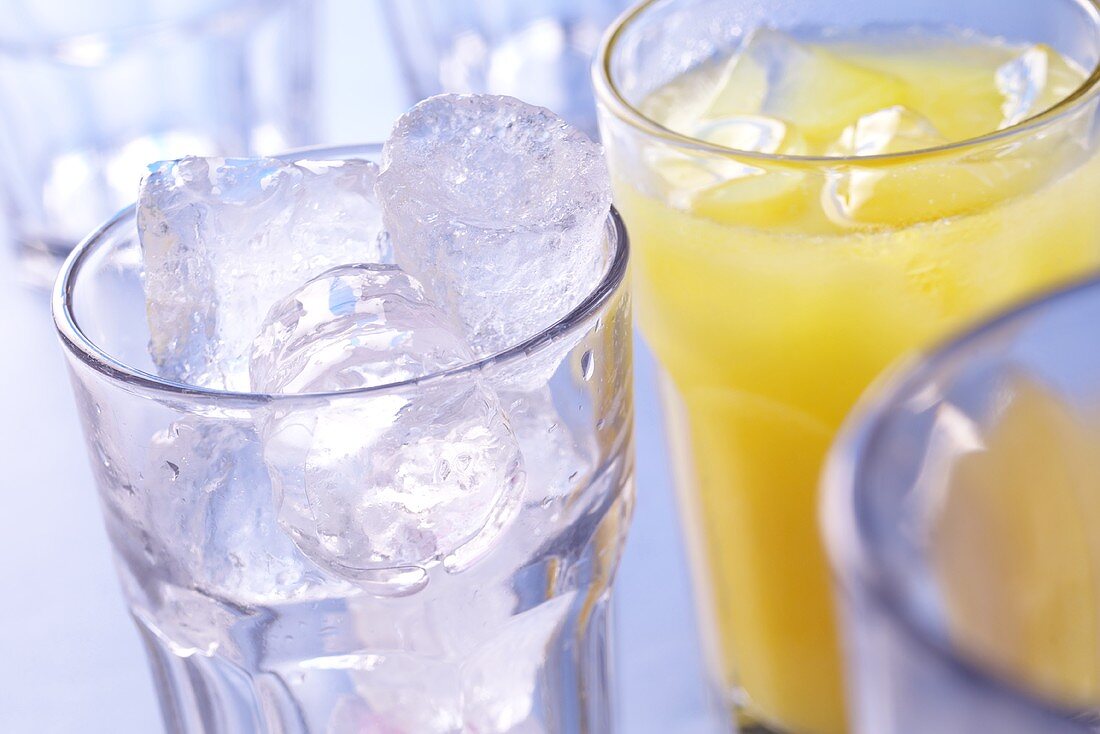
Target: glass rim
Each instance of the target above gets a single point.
(851, 556)
(611, 97)
(77, 342)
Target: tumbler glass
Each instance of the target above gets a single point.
(539, 51)
(90, 93)
(247, 633)
(961, 512)
(773, 285)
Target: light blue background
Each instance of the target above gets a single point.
(71, 660)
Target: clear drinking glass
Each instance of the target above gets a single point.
(773, 287)
(246, 634)
(540, 51)
(960, 514)
(90, 93)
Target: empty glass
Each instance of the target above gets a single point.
(90, 93)
(962, 522)
(539, 51)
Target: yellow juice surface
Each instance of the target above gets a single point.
(773, 292)
(1015, 544)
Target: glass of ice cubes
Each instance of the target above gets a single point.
(539, 50)
(90, 93)
(960, 514)
(352, 552)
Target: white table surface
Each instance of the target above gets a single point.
(73, 663)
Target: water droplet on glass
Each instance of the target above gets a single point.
(588, 365)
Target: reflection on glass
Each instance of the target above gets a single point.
(91, 93)
(961, 512)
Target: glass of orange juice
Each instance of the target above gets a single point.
(814, 188)
(961, 510)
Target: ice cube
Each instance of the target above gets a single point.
(1033, 82)
(208, 502)
(396, 693)
(483, 658)
(731, 189)
(500, 209)
(726, 187)
(776, 76)
(745, 132)
(894, 129)
(378, 486)
(354, 326)
(864, 195)
(926, 189)
(500, 680)
(768, 198)
(556, 460)
(224, 239)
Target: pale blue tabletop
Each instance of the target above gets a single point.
(73, 663)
